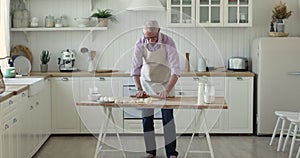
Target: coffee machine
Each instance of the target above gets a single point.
(66, 61)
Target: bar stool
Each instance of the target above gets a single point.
(295, 121)
(298, 154)
(282, 116)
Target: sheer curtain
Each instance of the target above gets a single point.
(4, 28)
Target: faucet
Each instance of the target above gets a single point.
(7, 57)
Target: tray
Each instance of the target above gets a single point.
(278, 34)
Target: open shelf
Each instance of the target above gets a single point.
(41, 29)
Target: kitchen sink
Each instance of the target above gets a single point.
(36, 85)
(21, 81)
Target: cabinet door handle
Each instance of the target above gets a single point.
(10, 102)
(180, 93)
(195, 78)
(15, 120)
(31, 107)
(65, 79)
(37, 103)
(239, 78)
(102, 79)
(6, 126)
(23, 94)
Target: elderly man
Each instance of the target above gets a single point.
(156, 68)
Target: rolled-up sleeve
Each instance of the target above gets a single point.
(137, 58)
(173, 57)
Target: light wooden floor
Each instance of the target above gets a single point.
(224, 147)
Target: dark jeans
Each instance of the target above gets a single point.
(169, 131)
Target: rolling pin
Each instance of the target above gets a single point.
(153, 96)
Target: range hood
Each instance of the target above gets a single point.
(146, 5)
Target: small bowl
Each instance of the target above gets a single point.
(94, 97)
(82, 22)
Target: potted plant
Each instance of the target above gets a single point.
(103, 17)
(45, 58)
(280, 12)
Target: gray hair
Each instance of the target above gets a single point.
(151, 26)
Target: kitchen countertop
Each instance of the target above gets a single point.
(220, 72)
(11, 91)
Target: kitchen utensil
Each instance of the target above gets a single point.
(153, 96)
(238, 64)
(187, 62)
(93, 54)
(22, 65)
(21, 50)
(106, 71)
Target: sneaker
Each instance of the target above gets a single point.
(148, 155)
(173, 156)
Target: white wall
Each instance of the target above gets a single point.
(114, 47)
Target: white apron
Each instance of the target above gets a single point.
(156, 72)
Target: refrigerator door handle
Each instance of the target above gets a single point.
(294, 73)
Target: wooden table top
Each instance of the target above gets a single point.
(169, 103)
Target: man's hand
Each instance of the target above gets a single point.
(141, 94)
(163, 94)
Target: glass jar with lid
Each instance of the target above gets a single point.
(49, 21)
(209, 92)
(64, 21)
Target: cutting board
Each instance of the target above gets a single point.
(106, 71)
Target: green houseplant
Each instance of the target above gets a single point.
(45, 58)
(103, 17)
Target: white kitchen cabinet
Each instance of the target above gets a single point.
(181, 13)
(65, 118)
(23, 130)
(45, 97)
(10, 135)
(185, 118)
(239, 97)
(11, 131)
(209, 13)
(92, 118)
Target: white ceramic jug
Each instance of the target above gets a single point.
(201, 65)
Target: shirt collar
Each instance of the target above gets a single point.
(158, 42)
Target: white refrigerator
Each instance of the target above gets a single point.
(276, 63)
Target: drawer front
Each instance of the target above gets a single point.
(188, 86)
(9, 105)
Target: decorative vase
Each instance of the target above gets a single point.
(102, 22)
(280, 26)
(44, 67)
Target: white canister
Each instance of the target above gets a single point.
(200, 93)
(201, 65)
(209, 93)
